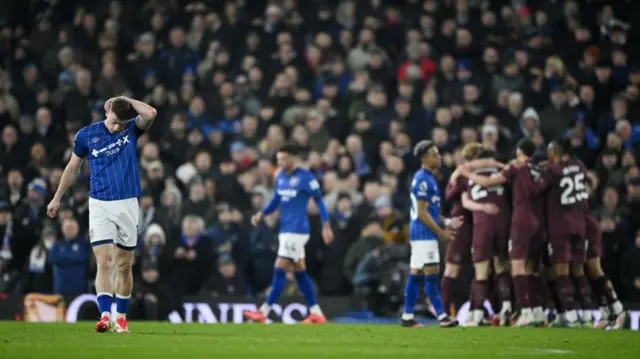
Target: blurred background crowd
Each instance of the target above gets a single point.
(354, 83)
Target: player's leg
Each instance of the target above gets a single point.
(305, 285)
(583, 293)
(288, 253)
(414, 283)
(102, 235)
(104, 254)
(125, 214)
(431, 279)
(561, 257)
(124, 286)
(479, 291)
(520, 277)
(602, 288)
(482, 252)
(502, 275)
(503, 289)
(458, 252)
(451, 274)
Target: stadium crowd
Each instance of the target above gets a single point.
(353, 83)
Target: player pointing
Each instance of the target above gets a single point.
(110, 148)
(294, 187)
(424, 232)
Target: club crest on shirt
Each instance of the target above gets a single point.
(95, 140)
(294, 181)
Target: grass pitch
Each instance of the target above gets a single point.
(163, 340)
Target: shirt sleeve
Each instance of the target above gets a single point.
(80, 147)
(313, 186)
(421, 189)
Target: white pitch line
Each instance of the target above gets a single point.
(541, 351)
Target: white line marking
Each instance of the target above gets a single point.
(541, 351)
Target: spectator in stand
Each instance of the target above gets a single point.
(70, 257)
(630, 270)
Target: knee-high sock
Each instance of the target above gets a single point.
(521, 286)
(566, 293)
(479, 293)
(411, 292)
(446, 289)
(584, 295)
(433, 292)
(278, 283)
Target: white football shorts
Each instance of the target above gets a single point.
(424, 253)
(292, 245)
(114, 222)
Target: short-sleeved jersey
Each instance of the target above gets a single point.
(293, 191)
(496, 195)
(525, 201)
(566, 197)
(113, 160)
(424, 187)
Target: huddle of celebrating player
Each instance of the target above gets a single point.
(527, 226)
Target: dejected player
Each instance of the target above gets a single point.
(424, 232)
(294, 186)
(110, 148)
(526, 239)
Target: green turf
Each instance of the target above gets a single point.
(163, 340)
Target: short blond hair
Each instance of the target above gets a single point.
(471, 150)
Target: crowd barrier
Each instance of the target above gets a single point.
(210, 310)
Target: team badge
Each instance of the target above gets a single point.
(294, 181)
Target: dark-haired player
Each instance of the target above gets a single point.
(424, 232)
(565, 198)
(294, 187)
(526, 240)
(489, 242)
(110, 148)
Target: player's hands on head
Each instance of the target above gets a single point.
(456, 222)
(327, 233)
(256, 218)
(53, 207)
(107, 105)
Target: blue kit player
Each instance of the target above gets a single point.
(294, 186)
(424, 232)
(110, 148)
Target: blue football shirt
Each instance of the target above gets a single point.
(113, 160)
(424, 187)
(292, 194)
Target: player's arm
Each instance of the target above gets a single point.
(316, 193)
(146, 114)
(474, 206)
(69, 176)
(487, 181)
(273, 204)
(430, 222)
(484, 163)
(70, 173)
